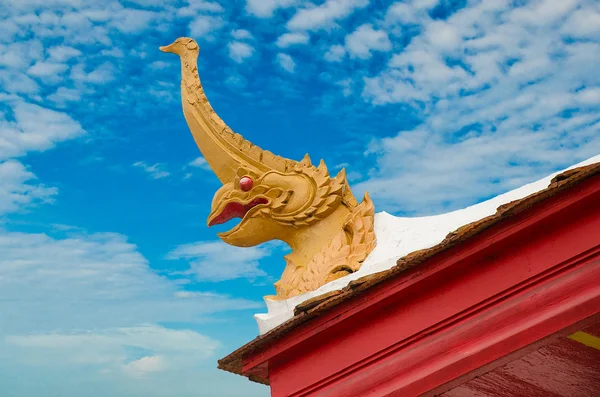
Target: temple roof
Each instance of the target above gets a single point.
(318, 305)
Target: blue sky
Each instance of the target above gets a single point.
(110, 281)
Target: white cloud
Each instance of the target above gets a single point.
(365, 39)
(198, 6)
(286, 62)
(156, 171)
(147, 337)
(583, 23)
(443, 36)
(265, 8)
(113, 53)
(35, 128)
(107, 348)
(239, 51)
(241, 34)
(146, 365)
(347, 89)
(325, 15)
(515, 103)
(200, 162)
(236, 80)
(542, 12)
(19, 189)
(289, 39)
(12, 60)
(90, 281)
(159, 65)
(424, 4)
(47, 69)
(63, 53)
(133, 21)
(102, 74)
(203, 25)
(401, 12)
(217, 261)
(589, 96)
(62, 95)
(19, 83)
(20, 54)
(336, 53)
(360, 44)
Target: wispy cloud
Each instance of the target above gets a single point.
(290, 39)
(241, 34)
(205, 25)
(19, 188)
(265, 8)
(366, 39)
(34, 128)
(324, 15)
(239, 51)
(217, 261)
(200, 162)
(156, 171)
(109, 350)
(286, 62)
(50, 283)
(361, 43)
(335, 53)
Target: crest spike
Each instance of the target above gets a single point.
(306, 160)
(323, 167)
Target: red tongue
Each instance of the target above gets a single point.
(236, 210)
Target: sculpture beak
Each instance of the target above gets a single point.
(168, 48)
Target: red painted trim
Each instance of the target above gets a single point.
(514, 355)
(561, 368)
(508, 287)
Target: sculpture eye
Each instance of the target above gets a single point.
(246, 183)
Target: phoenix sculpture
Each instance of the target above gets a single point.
(329, 232)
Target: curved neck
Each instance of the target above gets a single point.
(224, 150)
(189, 71)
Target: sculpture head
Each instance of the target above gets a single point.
(181, 46)
(273, 204)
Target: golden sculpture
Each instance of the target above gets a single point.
(277, 199)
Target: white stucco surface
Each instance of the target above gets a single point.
(399, 236)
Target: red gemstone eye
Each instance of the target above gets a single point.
(246, 183)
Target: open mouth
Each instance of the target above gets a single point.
(236, 210)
